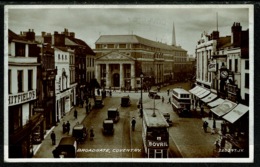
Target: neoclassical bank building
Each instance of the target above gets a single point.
(120, 60)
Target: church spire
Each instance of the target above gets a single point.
(173, 35)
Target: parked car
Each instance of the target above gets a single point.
(167, 118)
(125, 101)
(99, 102)
(113, 114)
(67, 148)
(80, 132)
(153, 95)
(36, 137)
(108, 127)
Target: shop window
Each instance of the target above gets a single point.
(20, 80)
(16, 117)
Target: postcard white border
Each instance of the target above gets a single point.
(169, 160)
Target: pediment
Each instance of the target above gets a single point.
(115, 56)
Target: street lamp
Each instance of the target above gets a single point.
(154, 115)
(141, 102)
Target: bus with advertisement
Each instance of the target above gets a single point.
(155, 134)
(181, 101)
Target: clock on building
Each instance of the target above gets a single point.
(224, 74)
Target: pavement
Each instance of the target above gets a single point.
(45, 148)
(188, 138)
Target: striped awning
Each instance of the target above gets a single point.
(216, 102)
(209, 98)
(224, 108)
(236, 113)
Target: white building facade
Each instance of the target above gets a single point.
(62, 83)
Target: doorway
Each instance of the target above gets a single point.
(116, 80)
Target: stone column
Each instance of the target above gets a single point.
(108, 78)
(122, 83)
(132, 76)
(98, 73)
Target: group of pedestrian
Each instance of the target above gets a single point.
(66, 127)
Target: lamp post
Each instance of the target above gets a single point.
(141, 102)
(154, 115)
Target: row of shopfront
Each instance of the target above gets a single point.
(234, 118)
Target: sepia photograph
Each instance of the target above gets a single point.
(129, 83)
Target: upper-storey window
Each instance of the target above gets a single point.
(20, 80)
(110, 46)
(122, 45)
(30, 79)
(20, 49)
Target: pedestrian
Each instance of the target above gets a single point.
(87, 109)
(53, 138)
(110, 93)
(133, 122)
(91, 133)
(64, 128)
(98, 92)
(202, 111)
(213, 127)
(169, 100)
(75, 114)
(89, 106)
(205, 126)
(162, 99)
(168, 92)
(68, 127)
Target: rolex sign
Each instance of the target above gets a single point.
(212, 67)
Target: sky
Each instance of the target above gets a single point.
(151, 22)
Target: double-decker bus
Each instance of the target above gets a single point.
(155, 134)
(181, 101)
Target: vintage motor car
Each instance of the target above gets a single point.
(99, 102)
(167, 118)
(153, 95)
(67, 148)
(80, 132)
(113, 114)
(125, 101)
(108, 127)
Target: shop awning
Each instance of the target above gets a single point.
(203, 94)
(215, 102)
(195, 89)
(209, 98)
(224, 108)
(236, 113)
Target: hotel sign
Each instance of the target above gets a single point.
(22, 97)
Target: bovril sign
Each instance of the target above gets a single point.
(157, 144)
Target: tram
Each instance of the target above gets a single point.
(155, 134)
(181, 101)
